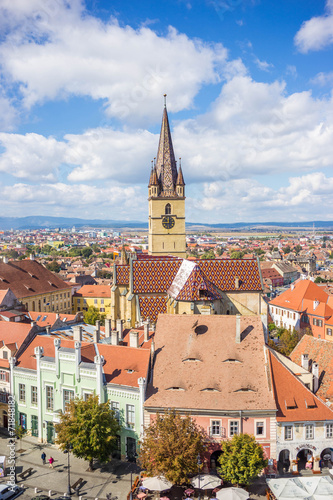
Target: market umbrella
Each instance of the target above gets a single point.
(287, 488)
(156, 483)
(206, 481)
(232, 494)
(318, 486)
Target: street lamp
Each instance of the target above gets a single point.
(199, 464)
(68, 449)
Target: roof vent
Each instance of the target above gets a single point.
(210, 389)
(175, 388)
(245, 389)
(231, 360)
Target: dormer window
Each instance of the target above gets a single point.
(167, 209)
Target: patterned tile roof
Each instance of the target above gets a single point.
(151, 307)
(190, 284)
(157, 276)
(223, 273)
(122, 274)
(154, 276)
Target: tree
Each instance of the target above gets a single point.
(19, 433)
(92, 315)
(241, 460)
(297, 249)
(86, 252)
(90, 427)
(237, 254)
(53, 266)
(286, 249)
(170, 447)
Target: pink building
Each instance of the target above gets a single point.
(214, 368)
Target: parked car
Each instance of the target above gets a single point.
(10, 492)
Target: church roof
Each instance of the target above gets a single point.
(156, 276)
(166, 167)
(190, 284)
(151, 307)
(180, 178)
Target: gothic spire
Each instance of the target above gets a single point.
(166, 167)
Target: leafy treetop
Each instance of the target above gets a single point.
(170, 447)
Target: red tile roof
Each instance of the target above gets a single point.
(94, 291)
(27, 278)
(293, 297)
(199, 365)
(319, 351)
(295, 402)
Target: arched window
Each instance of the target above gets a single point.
(168, 209)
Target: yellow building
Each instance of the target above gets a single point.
(98, 296)
(35, 286)
(166, 196)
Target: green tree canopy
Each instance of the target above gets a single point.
(53, 266)
(237, 254)
(90, 427)
(170, 447)
(92, 315)
(241, 460)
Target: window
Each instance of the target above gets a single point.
(78, 301)
(233, 427)
(288, 432)
(22, 393)
(87, 395)
(68, 397)
(102, 309)
(329, 430)
(95, 302)
(317, 322)
(115, 406)
(167, 209)
(4, 375)
(305, 319)
(102, 301)
(130, 415)
(23, 420)
(309, 431)
(260, 428)
(4, 355)
(49, 397)
(329, 331)
(34, 395)
(216, 427)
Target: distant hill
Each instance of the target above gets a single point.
(44, 222)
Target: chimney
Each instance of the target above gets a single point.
(33, 323)
(108, 328)
(315, 304)
(305, 361)
(48, 329)
(292, 286)
(134, 339)
(119, 328)
(97, 332)
(32, 256)
(57, 315)
(315, 373)
(77, 333)
(238, 329)
(146, 330)
(5, 259)
(114, 338)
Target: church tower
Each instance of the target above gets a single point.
(166, 196)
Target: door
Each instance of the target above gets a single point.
(50, 432)
(34, 425)
(131, 449)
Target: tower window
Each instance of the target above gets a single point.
(168, 209)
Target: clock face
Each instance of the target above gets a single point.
(168, 222)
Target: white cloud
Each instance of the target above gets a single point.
(317, 33)
(263, 65)
(31, 156)
(81, 200)
(323, 79)
(248, 200)
(67, 52)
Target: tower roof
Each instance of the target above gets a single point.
(180, 178)
(166, 167)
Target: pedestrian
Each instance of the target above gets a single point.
(51, 460)
(43, 457)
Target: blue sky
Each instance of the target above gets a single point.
(250, 102)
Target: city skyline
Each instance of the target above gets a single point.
(249, 97)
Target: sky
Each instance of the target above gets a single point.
(249, 97)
